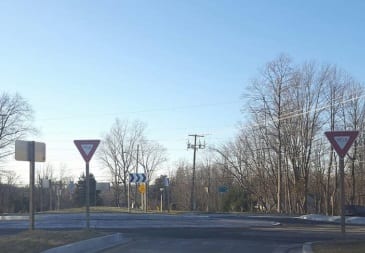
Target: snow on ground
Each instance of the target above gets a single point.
(336, 219)
(355, 220)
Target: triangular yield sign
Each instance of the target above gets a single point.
(87, 148)
(342, 140)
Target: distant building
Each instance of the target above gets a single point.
(103, 186)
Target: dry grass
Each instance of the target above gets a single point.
(339, 247)
(39, 240)
(107, 209)
(99, 209)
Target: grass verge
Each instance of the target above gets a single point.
(101, 209)
(40, 240)
(106, 209)
(339, 247)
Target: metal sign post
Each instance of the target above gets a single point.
(32, 152)
(342, 196)
(142, 191)
(161, 200)
(341, 141)
(87, 199)
(31, 184)
(87, 149)
(135, 178)
(129, 197)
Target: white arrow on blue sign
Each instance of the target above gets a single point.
(137, 178)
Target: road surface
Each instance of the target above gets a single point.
(194, 232)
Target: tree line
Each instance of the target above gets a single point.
(280, 156)
(279, 160)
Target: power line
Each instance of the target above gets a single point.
(294, 115)
(110, 114)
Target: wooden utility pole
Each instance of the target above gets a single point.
(195, 147)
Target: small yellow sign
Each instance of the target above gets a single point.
(142, 188)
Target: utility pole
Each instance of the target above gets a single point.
(194, 146)
(137, 184)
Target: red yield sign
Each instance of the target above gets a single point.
(87, 148)
(342, 140)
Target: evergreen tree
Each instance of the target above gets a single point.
(79, 195)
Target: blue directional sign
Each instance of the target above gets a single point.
(222, 189)
(137, 178)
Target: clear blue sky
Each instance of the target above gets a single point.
(179, 66)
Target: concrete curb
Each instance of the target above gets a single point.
(307, 247)
(91, 245)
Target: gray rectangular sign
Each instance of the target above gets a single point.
(23, 151)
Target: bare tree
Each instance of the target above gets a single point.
(16, 117)
(269, 92)
(152, 156)
(8, 191)
(46, 181)
(354, 118)
(180, 185)
(334, 98)
(235, 160)
(304, 123)
(288, 105)
(117, 153)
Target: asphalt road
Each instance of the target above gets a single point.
(194, 232)
(286, 237)
(205, 240)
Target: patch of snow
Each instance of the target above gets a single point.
(276, 224)
(13, 217)
(356, 220)
(314, 217)
(334, 219)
